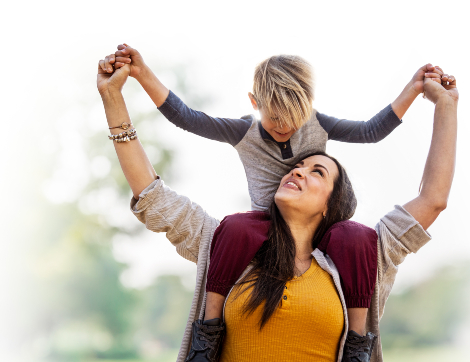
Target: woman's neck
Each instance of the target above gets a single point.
(302, 232)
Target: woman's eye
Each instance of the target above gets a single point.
(319, 172)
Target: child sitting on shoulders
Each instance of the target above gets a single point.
(289, 129)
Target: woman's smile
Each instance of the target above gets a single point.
(293, 184)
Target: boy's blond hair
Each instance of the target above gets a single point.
(283, 88)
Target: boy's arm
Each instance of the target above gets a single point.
(219, 129)
(384, 122)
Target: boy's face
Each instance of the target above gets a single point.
(272, 124)
(273, 127)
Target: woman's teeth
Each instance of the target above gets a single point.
(293, 184)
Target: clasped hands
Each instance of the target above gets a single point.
(114, 70)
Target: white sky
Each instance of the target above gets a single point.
(363, 52)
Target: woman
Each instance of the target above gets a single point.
(302, 199)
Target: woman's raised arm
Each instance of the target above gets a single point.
(185, 223)
(134, 162)
(440, 164)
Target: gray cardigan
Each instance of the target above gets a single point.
(190, 229)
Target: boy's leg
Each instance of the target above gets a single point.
(357, 320)
(214, 306)
(359, 345)
(235, 243)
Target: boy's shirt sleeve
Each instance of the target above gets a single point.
(219, 129)
(372, 131)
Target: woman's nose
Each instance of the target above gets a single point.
(298, 172)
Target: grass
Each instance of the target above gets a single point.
(432, 354)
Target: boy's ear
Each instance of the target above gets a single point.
(253, 101)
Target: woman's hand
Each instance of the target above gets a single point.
(435, 91)
(109, 79)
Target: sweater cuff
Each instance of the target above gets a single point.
(406, 229)
(358, 301)
(146, 197)
(218, 287)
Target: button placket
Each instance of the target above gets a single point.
(286, 297)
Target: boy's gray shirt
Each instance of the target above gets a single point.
(190, 229)
(265, 160)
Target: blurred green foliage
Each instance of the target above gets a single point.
(428, 314)
(81, 311)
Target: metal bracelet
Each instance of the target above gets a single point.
(125, 136)
(124, 126)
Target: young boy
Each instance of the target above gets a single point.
(289, 129)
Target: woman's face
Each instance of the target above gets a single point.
(307, 187)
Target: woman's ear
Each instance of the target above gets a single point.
(253, 101)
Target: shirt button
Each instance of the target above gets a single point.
(285, 297)
(285, 146)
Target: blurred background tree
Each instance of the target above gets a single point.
(81, 309)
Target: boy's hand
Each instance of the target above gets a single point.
(426, 71)
(125, 55)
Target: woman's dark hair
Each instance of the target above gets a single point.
(274, 262)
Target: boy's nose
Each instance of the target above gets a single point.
(284, 128)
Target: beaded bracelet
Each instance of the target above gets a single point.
(125, 136)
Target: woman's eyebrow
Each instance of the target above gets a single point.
(318, 165)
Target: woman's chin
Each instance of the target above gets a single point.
(286, 199)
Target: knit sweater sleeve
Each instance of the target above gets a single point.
(372, 131)
(226, 130)
(399, 235)
(353, 249)
(161, 209)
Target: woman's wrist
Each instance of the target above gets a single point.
(446, 99)
(115, 109)
(110, 94)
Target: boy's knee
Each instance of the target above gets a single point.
(351, 237)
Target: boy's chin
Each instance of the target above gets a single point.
(280, 138)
